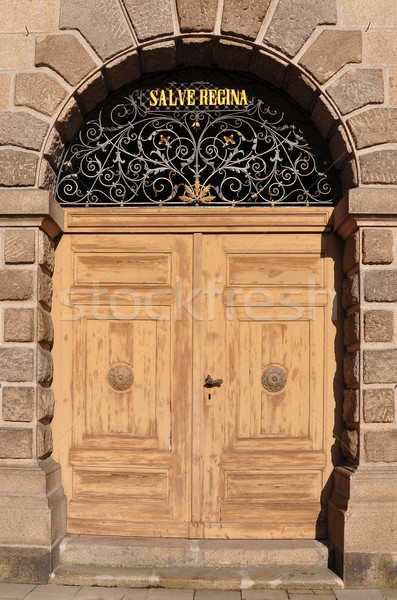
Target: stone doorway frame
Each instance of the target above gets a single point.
(365, 486)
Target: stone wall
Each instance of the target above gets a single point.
(338, 60)
(363, 507)
(27, 403)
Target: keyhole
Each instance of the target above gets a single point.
(209, 396)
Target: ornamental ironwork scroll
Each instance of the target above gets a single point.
(219, 140)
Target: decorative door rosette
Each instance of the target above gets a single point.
(197, 137)
(120, 376)
(274, 378)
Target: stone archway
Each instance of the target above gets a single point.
(318, 59)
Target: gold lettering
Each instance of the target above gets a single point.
(234, 97)
(221, 97)
(171, 98)
(243, 98)
(212, 97)
(191, 97)
(203, 96)
(153, 97)
(163, 99)
(182, 96)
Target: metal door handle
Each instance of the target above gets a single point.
(210, 383)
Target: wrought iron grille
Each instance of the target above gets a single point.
(236, 149)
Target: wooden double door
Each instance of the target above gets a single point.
(147, 447)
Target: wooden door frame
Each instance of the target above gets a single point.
(198, 220)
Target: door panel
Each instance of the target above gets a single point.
(146, 449)
(270, 414)
(128, 447)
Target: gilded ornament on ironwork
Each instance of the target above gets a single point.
(198, 194)
(244, 149)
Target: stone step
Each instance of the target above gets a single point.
(221, 578)
(168, 552)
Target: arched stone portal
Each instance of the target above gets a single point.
(315, 55)
(228, 190)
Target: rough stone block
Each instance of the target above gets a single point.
(25, 565)
(300, 88)
(294, 22)
(150, 19)
(44, 366)
(159, 57)
(17, 168)
(69, 121)
(393, 87)
(18, 403)
(381, 446)
(340, 147)
(15, 52)
(47, 177)
(351, 294)
(193, 52)
(382, 47)
(378, 406)
(44, 443)
(45, 290)
(351, 368)
(54, 149)
(351, 254)
(378, 246)
(331, 51)
(197, 16)
(39, 91)
(357, 88)
(349, 444)
(380, 366)
(5, 87)
(379, 166)
(65, 55)
(16, 285)
(45, 405)
(349, 176)
(374, 126)
(123, 70)
(24, 15)
(90, 20)
(234, 56)
(351, 406)
(18, 324)
(22, 129)
(16, 364)
(358, 13)
(352, 329)
(272, 70)
(378, 326)
(46, 252)
(324, 117)
(16, 443)
(92, 93)
(244, 16)
(380, 286)
(19, 246)
(45, 328)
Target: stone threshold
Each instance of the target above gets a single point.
(209, 578)
(198, 564)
